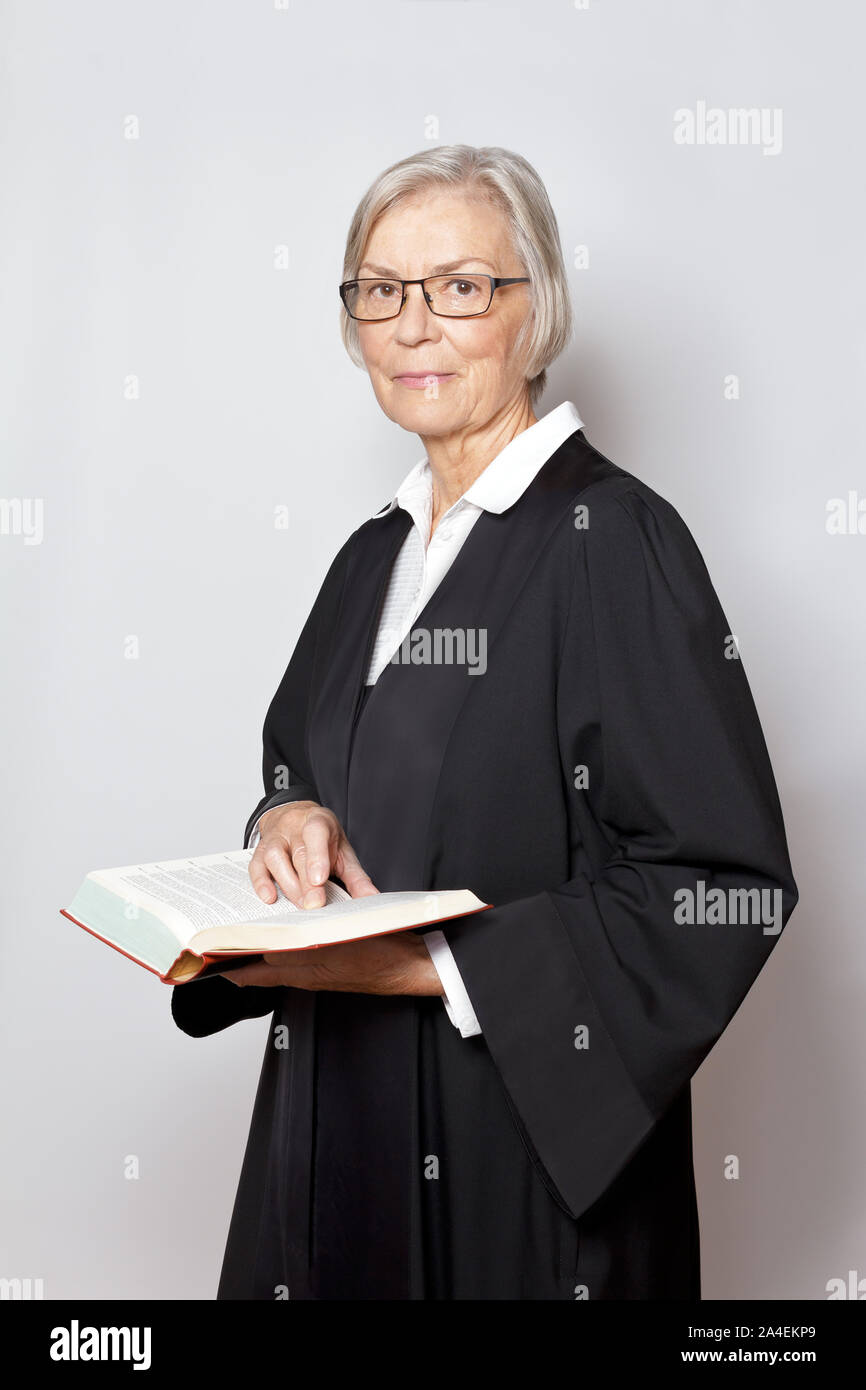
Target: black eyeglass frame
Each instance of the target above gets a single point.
(495, 282)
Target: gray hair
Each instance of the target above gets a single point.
(508, 181)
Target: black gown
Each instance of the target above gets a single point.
(608, 760)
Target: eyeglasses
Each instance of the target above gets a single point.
(451, 296)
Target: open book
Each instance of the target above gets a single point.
(185, 918)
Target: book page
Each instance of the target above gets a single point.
(213, 890)
(350, 920)
(391, 903)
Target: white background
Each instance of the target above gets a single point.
(262, 128)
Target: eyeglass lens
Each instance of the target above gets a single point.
(451, 295)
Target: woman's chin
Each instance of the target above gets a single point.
(432, 410)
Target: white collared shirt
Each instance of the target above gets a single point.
(421, 563)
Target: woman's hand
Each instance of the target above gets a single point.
(300, 845)
(398, 963)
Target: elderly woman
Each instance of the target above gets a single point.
(516, 678)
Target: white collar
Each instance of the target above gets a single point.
(507, 476)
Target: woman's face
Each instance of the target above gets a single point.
(441, 228)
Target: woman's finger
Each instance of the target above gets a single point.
(271, 865)
(357, 880)
(256, 973)
(312, 857)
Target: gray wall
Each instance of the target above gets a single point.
(154, 258)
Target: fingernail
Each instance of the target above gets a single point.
(317, 872)
(313, 898)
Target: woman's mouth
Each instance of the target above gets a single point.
(418, 380)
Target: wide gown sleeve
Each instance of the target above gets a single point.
(207, 1006)
(596, 1001)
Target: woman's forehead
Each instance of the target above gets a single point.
(458, 229)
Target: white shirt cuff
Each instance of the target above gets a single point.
(455, 998)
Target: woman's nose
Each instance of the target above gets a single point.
(416, 316)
